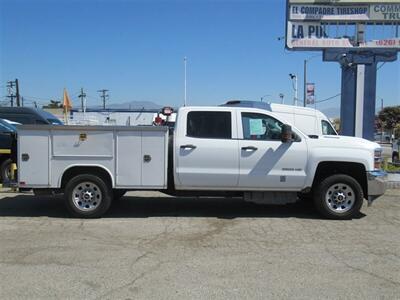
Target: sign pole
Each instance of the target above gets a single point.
(305, 84)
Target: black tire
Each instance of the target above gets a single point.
(5, 170)
(338, 197)
(118, 194)
(97, 187)
(395, 157)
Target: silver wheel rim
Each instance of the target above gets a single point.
(86, 196)
(340, 198)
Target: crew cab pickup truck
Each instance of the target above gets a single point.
(212, 151)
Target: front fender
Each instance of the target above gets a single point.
(346, 155)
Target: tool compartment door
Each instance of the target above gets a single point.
(129, 159)
(154, 158)
(33, 158)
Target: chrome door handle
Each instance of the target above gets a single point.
(249, 148)
(188, 147)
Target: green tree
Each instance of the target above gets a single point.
(397, 131)
(390, 117)
(336, 124)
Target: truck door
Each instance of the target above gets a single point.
(266, 162)
(206, 155)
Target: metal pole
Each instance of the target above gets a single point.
(296, 97)
(184, 62)
(381, 124)
(305, 84)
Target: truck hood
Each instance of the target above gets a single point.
(340, 141)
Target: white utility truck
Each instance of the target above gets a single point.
(212, 151)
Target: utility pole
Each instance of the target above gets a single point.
(10, 86)
(82, 95)
(103, 96)
(17, 93)
(22, 101)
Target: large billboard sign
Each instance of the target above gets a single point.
(313, 25)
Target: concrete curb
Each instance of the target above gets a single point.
(393, 181)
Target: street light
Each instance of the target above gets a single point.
(282, 96)
(268, 95)
(294, 85)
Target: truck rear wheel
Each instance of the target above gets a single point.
(339, 197)
(87, 196)
(5, 170)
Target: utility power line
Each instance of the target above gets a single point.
(381, 65)
(329, 98)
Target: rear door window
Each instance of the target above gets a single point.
(209, 124)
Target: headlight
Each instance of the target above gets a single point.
(378, 159)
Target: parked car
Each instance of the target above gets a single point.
(28, 115)
(396, 150)
(310, 121)
(212, 151)
(7, 149)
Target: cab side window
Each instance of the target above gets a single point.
(260, 127)
(209, 124)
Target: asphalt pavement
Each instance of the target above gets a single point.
(150, 246)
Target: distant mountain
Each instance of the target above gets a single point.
(331, 112)
(131, 105)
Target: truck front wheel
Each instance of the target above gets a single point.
(87, 196)
(339, 197)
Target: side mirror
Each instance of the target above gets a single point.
(286, 136)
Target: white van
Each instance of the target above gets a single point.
(310, 121)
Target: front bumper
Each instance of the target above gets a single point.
(376, 181)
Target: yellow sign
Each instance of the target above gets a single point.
(82, 137)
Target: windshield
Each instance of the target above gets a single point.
(7, 126)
